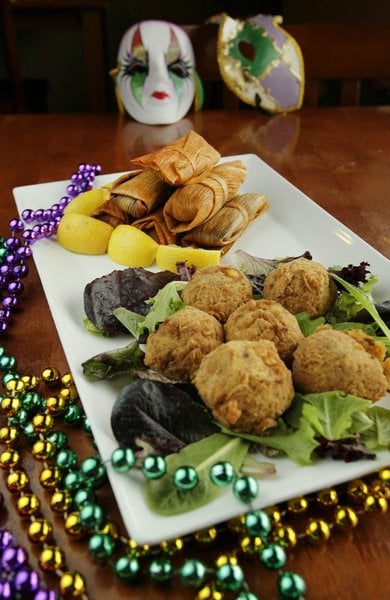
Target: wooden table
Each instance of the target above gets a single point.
(339, 157)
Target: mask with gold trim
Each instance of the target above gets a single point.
(260, 62)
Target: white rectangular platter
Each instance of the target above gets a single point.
(292, 225)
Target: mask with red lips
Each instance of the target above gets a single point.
(155, 75)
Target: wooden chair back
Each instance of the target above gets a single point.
(345, 52)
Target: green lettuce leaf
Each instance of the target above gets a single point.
(378, 436)
(166, 499)
(165, 303)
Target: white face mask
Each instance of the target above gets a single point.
(156, 72)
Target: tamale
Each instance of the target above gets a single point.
(139, 192)
(154, 225)
(228, 224)
(182, 159)
(112, 214)
(194, 203)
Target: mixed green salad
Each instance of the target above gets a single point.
(327, 424)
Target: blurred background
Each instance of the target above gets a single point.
(51, 53)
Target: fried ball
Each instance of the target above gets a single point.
(331, 360)
(268, 320)
(217, 290)
(181, 341)
(301, 285)
(245, 384)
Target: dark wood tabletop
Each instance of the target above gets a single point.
(340, 157)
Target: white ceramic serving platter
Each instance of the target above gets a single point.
(292, 225)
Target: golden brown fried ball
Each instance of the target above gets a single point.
(181, 341)
(217, 290)
(268, 320)
(245, 384)
(331, 360)
(301, 285)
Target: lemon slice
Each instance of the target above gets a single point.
(168, 256)
(131, 247)
(87, 202)
(83, 234)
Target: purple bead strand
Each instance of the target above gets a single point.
(16, 249)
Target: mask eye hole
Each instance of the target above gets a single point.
(180, 68)
(136, 66)
(247, 50)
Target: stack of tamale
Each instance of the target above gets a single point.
(180, 195)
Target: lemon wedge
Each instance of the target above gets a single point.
(131, 247)
(83, 234)
(168, 256)
(87, 202)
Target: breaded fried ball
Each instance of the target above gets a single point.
(245, 384)
(301, 285)
(181, 341)
(332, 360)
(268, 320)
(217, 290)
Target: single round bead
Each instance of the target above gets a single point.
(185, 478)
(72, 584)
(273, 556)
(205, 537)
(345, 517)
(173, 546)
(26, 582)
(291, 586)
(127, 568)
(160, 569)
(357, 490)
(110, 528)
(297, 506)
(28, 505)
(9, 435)
(50, 477)
(93, 472)
(257, 523)
(13, 557)
(45, 594)
(50, 376)
(154, 467)
(246, 489)
(66, 459)
(60, 501)
(73, 526)
(72, 190)
(73, 480)
(222, 474)
(317, 530)
(375, 504)
(91, 516)
(101, 546)
(84, 496)
(17, 481)
(29, 432)
(52, 558)
(42, 450)
(327, 498)
(122, 460)
(285, 536)
(42, 422)
(193, 572)
(7, 363)
(9, 458)
(16, 225)
(250, 545)
(229, 577)
(28, 215)
(40, 530)
(73, 415)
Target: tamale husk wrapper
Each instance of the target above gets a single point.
(111, 213)
(154, 225)
(140, 192)
(228, 224)
(182, 159)
(195, 203)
